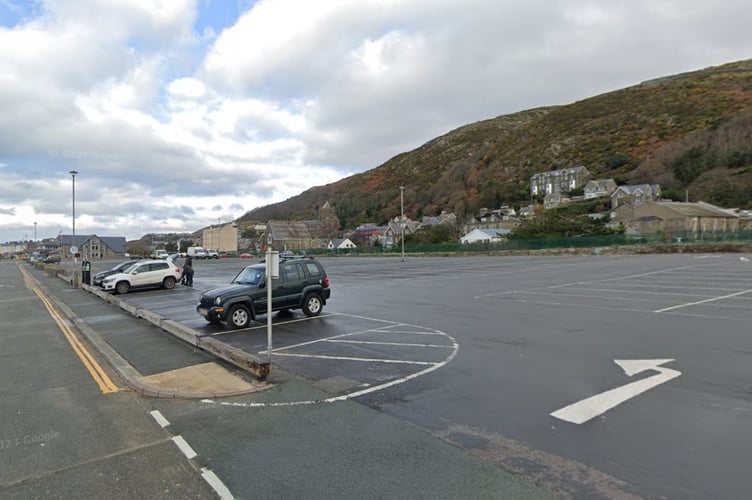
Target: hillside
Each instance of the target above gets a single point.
(691, 133)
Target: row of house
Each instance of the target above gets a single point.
(555, 185)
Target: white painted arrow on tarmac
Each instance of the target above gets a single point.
(582, 411)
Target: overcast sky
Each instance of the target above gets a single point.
(178, 114)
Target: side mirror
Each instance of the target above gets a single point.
(262, 283)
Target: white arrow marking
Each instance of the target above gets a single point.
(582, 411)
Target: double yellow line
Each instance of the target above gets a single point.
(98, 374)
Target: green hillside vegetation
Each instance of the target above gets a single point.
(691, 133)
(564, 222)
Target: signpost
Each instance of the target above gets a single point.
(272, 271)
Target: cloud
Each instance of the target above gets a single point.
(178, 113)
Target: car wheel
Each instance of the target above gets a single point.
(312, 304)
(169, 282)
(239, 316)
(122, 287)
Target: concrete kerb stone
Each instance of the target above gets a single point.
(238, 357)
(181, 331)
(150, 316)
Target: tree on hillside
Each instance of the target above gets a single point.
(441, 233)
(563, 222)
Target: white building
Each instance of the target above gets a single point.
(485, 236)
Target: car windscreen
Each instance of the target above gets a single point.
(123, 266)
(128, 268)
(249, 276)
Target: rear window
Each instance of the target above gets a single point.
(313, 269)
(292, 273)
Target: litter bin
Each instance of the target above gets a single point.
(86, 272)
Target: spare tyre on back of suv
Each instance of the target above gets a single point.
(302, 284)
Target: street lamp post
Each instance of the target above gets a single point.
(402, 220)
(73, 243)
(35, 232)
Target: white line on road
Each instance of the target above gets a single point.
(163, 422)
(712, 299)
(184, 447)
(347, 358)
(217, 485)
(398, 344)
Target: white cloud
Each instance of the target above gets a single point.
(172, 126)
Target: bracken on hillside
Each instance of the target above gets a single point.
(691, 133)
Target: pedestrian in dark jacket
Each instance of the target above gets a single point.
(187, 276)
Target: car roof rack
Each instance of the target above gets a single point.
(290, 257)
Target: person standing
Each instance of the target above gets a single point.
(187, 277)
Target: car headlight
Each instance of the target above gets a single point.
(108, 280)
(218, 301)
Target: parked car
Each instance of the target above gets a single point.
(302, 284)
(144, 274)
(96, 280)
(212, 254)
(51, 259)
(246, 256)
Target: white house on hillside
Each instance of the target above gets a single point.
(340, 244)
(485, 235)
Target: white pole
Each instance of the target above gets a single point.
(73, 243)
(269, 296)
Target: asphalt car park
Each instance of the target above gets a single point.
(343, 353)
(510, 345)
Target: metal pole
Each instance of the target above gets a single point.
(402, 220)
(269, 295)
(73, 243)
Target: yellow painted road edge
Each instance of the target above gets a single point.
(97, 373)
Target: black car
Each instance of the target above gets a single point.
(51, 259)
(302, 284)
(96, 280)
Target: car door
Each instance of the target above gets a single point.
(291, 284)
(260, 294)
(139, 275)
(156, 273)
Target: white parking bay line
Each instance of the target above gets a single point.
(161, 420)
(217, 485)
(406, 332)
(712, 299)
(184, 447)
(348, 358)
(400, 344)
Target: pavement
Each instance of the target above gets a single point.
(188, 374)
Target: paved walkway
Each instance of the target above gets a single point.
(175, 370)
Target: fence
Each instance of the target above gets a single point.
(673, 238)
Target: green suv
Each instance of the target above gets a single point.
(302, 284)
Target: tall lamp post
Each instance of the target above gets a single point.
(73, 243)
(402, 220)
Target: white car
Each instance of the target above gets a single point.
(144, 274)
